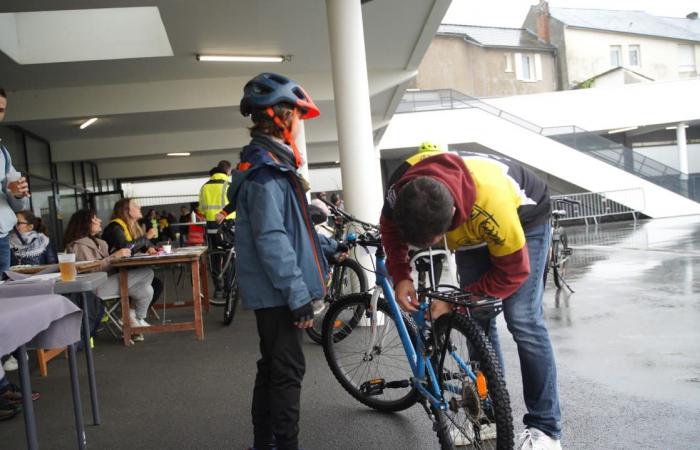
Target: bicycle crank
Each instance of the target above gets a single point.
(376, 386)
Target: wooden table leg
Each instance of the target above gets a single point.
(124, 294)
(197, 300)
(204, 276)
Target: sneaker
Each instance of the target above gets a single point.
(8, 411)
(318, 306)
(534, 439)
(137, 337)
(10, 365)
(143, 323)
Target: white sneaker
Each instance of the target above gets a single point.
(143, 323)
(11, 364)
(133, 321)
(137, 337)
(534, 439)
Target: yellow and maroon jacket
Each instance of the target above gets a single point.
(496, 200)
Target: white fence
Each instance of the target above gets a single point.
(594, 205)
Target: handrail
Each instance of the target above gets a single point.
(587, 142)
(594, 205)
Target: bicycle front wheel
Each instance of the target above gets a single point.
(232, 297)
(216, 259)
(347, 278)
(366, 356)
(561, 250)
(479, 412)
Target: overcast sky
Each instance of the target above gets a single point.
(511, 13)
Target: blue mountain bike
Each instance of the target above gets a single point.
(390, 360)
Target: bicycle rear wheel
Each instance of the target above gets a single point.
(215, 263)
(373, 368)
(347, 277)
(479, 412)
(561, 251)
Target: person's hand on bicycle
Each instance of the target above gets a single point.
(303, 316)
(406, 295)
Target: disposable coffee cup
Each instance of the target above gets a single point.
(66, 265)
(167, 248)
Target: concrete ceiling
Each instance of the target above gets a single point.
(152, 106)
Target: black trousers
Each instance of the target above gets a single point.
(278, 381)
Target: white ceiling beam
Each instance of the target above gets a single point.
(169, 95)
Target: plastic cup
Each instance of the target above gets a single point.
(167, 248)
(66, 264)
(12, 178)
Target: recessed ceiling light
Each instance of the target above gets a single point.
(179, 154)
(87, 123)
(240, 58)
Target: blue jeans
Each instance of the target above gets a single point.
(4, 254)
(524, 317)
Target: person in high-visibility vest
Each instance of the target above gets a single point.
(212, 199)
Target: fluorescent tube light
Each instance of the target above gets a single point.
(412, 90)
(239, 58)
(87, 123)
(674, 127)
(179, 154)
(620, 130)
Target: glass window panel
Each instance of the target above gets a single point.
(634, 55)
(38, 155)
(12, 140)
(89, 180)
(64, 171)
(615, 53)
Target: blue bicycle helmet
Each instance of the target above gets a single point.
(269, 89)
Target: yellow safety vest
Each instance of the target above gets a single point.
(213, 198)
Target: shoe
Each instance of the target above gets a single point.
(318, 306)
(12, 394)
(534, 439)
(143, 323)
(10, 365)
(8, 411)
(137, 337)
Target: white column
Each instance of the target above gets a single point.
(682, 150)
(359, 161)
(301, 146)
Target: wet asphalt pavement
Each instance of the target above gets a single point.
(627, 344)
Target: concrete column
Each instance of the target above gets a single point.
(682, 150)
(359, 161)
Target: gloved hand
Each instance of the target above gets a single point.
(303, 316)
(342, 248)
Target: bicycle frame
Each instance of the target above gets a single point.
(420, 363)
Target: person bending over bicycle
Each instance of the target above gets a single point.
(494, 213)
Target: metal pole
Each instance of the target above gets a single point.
(77, 405)
(27, 406)
(90, 361)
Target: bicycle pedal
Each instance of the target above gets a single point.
(373, 387)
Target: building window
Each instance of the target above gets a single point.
(509, 62)
(528, 67)
(615, 55)
(686, 58)
(635, 55)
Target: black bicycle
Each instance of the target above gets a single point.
(347, 276)
(559, 250)
(224, 256)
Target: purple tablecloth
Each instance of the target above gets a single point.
(40, 321)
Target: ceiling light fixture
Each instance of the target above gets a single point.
(621, 130)
(241, 58)
(87, 123)
(674, 127)
(179, 154)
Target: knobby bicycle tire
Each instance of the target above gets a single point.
(561, 259)
(351, 367)
(348, 277)
(467, 338)
(232, 299)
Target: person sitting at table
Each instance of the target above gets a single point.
(27, 246)
(124, 231)
(81, 239)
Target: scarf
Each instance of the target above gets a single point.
(282, 153)
(122, 224)
(28, 245)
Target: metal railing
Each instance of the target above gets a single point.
(166, 200)
(587, 142)
(594, 205)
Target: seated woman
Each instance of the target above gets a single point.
(81, 239)
(124, 231)
(27, 246)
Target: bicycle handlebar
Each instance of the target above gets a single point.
(349, 217)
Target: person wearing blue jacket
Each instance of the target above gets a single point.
(279, 263)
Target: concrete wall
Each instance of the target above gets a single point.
(588, 54)
(451, 62)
